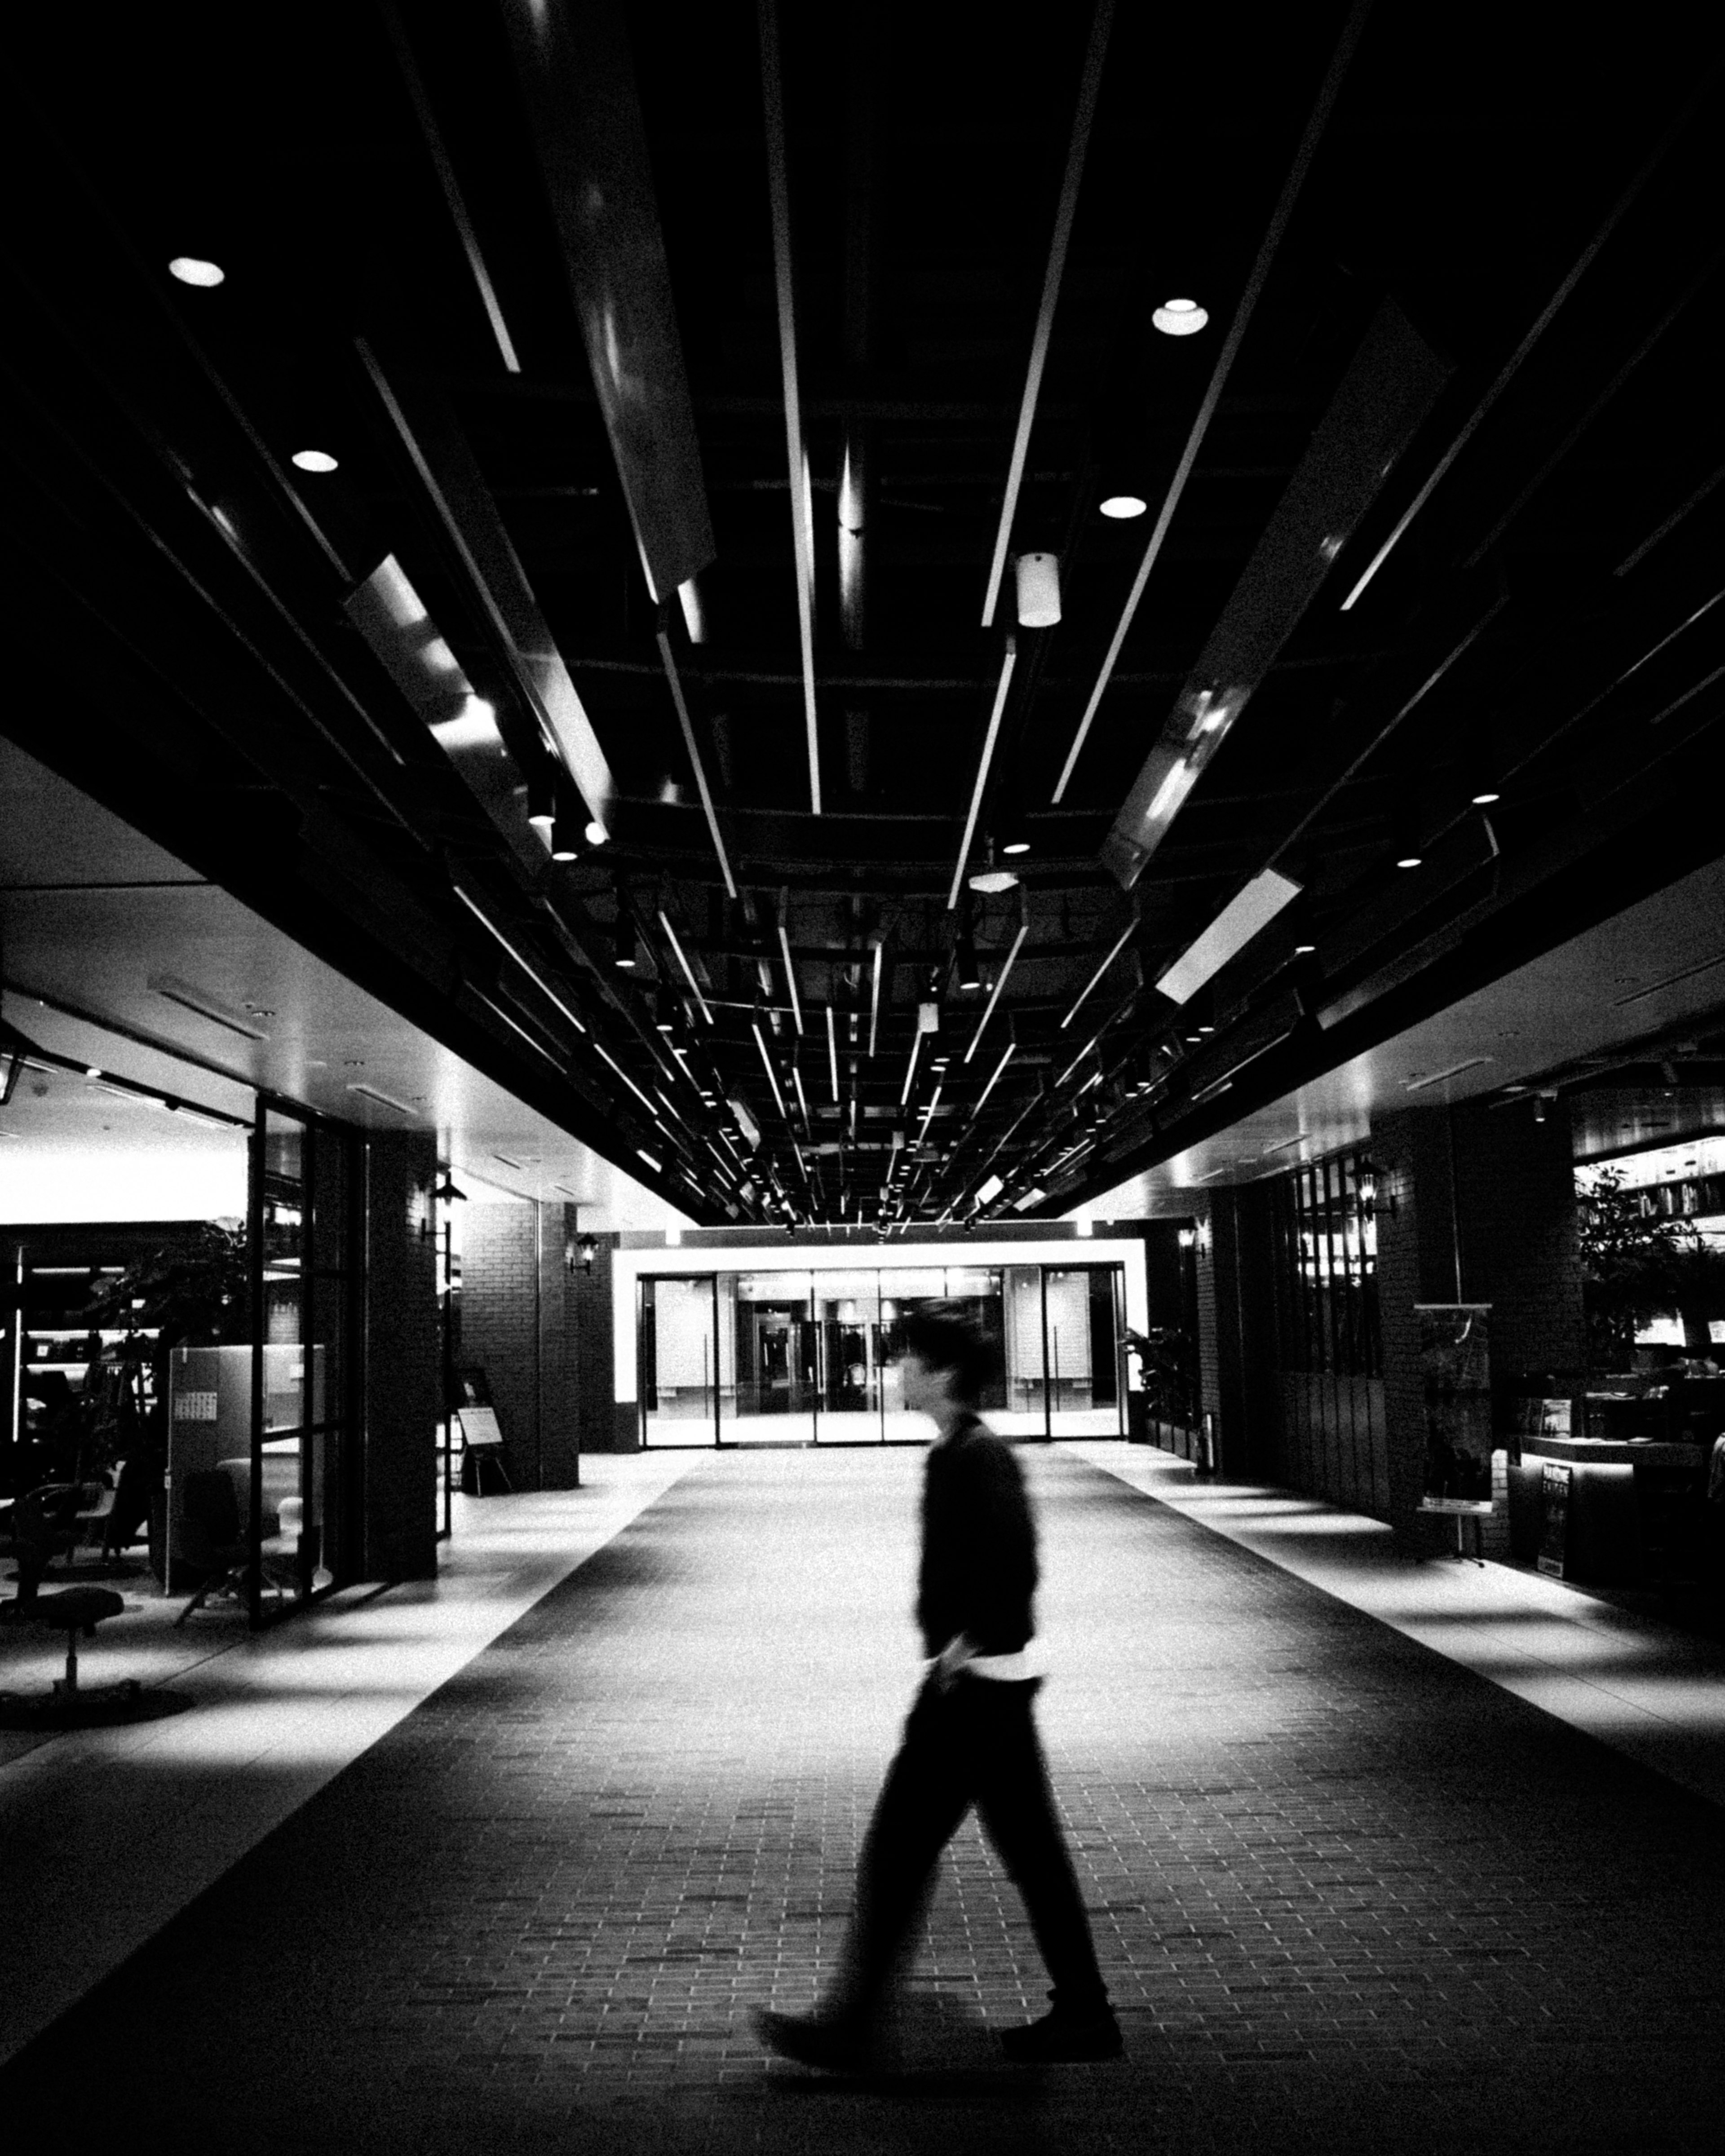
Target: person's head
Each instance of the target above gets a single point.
(948, 1358)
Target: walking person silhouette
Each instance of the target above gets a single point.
(970, 1738)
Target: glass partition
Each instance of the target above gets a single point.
(809, 1357)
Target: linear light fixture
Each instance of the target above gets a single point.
(767, 1065)
(790, 971)
(1115, 949)
(384, 1099)
(1017, 944)
(1089, 85)
(833, 1052)
(874, 999)
(910, 1067)
(934, 1101)
(802, 1098)
(1007, 665)
(1234, 927)
(683, 961)
(1425, 1078)
(795, 444)
(1225, 357)
(669, 663)
(192, 998)
(627, 1079)
(995, 1076)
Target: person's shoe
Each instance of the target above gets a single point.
(814, 2040)
(1064, 2037)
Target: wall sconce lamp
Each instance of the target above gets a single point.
(1189, 1238)
(578, 1255)
(1369, 1178)
(446, 1191)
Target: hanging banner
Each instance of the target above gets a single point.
(1455, 1371)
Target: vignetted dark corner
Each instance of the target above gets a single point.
(686, 679)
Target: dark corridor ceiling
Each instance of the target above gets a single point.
(1430, 514)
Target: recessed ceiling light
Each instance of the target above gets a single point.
(1304, 950)
(1180, 317)
(190, 271)
(596, 833)
(1409, 860)
(1121, 507)
(1485, 800)
(314, 460)
(1014, 846)
(990, 880)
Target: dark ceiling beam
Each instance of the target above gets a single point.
(583, 111)
(1317, 121)
(438, 151)
(1090, 83)
(1703, 97)
(455, 491)
(1390, 385)
(796, 445)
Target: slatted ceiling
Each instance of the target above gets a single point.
(976, 124)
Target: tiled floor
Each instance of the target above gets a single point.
(1350, 1894)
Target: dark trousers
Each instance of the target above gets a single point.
(974, 1743)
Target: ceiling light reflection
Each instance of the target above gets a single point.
(190, 271)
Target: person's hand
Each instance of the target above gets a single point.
(951, 1658)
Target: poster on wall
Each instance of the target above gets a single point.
(1456, 1375)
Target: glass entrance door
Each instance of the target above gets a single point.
(680, 1377)
(1081, 1332)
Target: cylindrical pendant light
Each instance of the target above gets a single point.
(1038, 590)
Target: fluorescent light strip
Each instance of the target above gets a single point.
(934, 1101)
(549, 994)
(699, 769)
(627, 1079)
(802, 1099)
(767, 1065)
(982, 1023)
(910, 1070)
(1225, 362)
(384, 1099)
(1119, 945)
(833, 1052)
(1007, 666)
(874, 999)
(1234, 927)
(683, 961)
(796, 448)
(1670, 981)
(1009, 1051)
(194, 999)
(1437, 1077)
(1282, 1145)
(1077, 1060)
(790, 971)
(1090, 83)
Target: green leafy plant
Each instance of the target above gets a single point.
(1639, 1265)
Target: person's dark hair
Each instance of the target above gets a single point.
(948, 1338)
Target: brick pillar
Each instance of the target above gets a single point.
(499, 1267)
(403, 1431)
(1485, 1213)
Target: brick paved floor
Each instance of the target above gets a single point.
(1348, 1896)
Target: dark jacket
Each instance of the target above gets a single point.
(978, 1570)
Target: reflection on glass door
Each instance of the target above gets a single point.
(1082, 1347)
(850, 1355)
(778, 1350)
(681, 1378)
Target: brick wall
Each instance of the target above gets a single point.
(399, 1510)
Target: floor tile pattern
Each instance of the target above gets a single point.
(1347, 1895)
